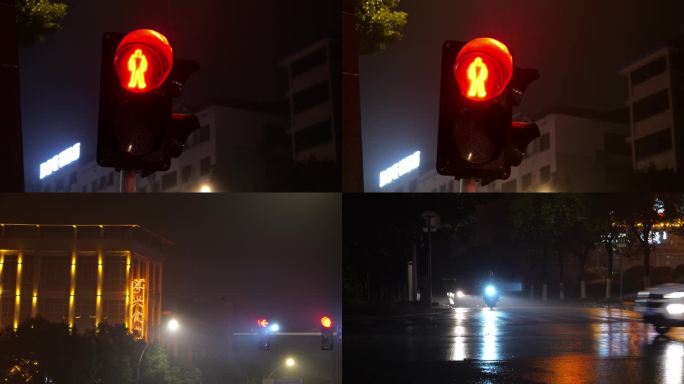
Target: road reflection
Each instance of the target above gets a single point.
(490, 331)
(674, 363)
(458, 351)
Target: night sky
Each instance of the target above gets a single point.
(275, 254)
(578, 46)
(239, 45)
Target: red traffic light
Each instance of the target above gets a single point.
(326, 322)
(483, 69)
(263, 323)
(143, 60)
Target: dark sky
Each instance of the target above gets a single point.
(578, 46)
(239, 45)
(277, 254)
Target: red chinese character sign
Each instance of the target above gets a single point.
(483, 69)
(143, 60)
(137, 310)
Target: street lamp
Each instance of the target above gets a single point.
(290, 362)
(173, 325)
(205, 188)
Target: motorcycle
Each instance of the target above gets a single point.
(491, 296)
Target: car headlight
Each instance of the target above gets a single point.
(643, 294)
(675, 309)
(490, 290)
(460, 294)
(674, 295)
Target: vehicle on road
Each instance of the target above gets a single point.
(662, 306)
(454, 296)
(491, 296)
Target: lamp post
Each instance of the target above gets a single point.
(172, 327)
(289, 362)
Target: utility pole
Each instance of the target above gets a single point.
(11, 145)
(352, 148)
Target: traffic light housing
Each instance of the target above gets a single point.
(137, 130)
(263, 334)
(477, 137)
(327, 333)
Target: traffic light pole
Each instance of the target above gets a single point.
(128, 179)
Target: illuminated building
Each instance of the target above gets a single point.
(82, 275)
(656, 100)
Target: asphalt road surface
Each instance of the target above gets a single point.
(518, 342)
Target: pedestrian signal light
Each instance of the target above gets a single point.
(143, 60)
(483, 69)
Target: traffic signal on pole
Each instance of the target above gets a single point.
(263, 334)
(139, 77)
(477, 137)
(327, 333)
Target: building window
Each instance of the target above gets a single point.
(313, 136)
(526, 182)
(545, 174)
(653, 144)
(310, 97)
(544, 142)
(204, 133)
(169, 180)
(649, 70)
(205, 166)
(651, 105)
(509, 186)
(308, 62)
(73, 178)
(186, 173)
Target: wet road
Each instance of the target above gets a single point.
(516, 343)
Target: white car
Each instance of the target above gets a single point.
(662, 306)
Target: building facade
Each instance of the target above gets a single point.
(578, 150)
(251, 138)
(314, 110)
(82, 275)
(656, 101)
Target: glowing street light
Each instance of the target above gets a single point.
(290, 362)
(274, 327)
(173, 325)
(205, 189)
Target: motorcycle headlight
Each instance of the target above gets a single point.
(674, 295)
(490, 290)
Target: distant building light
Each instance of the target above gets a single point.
(61, 160)
(399, 169)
